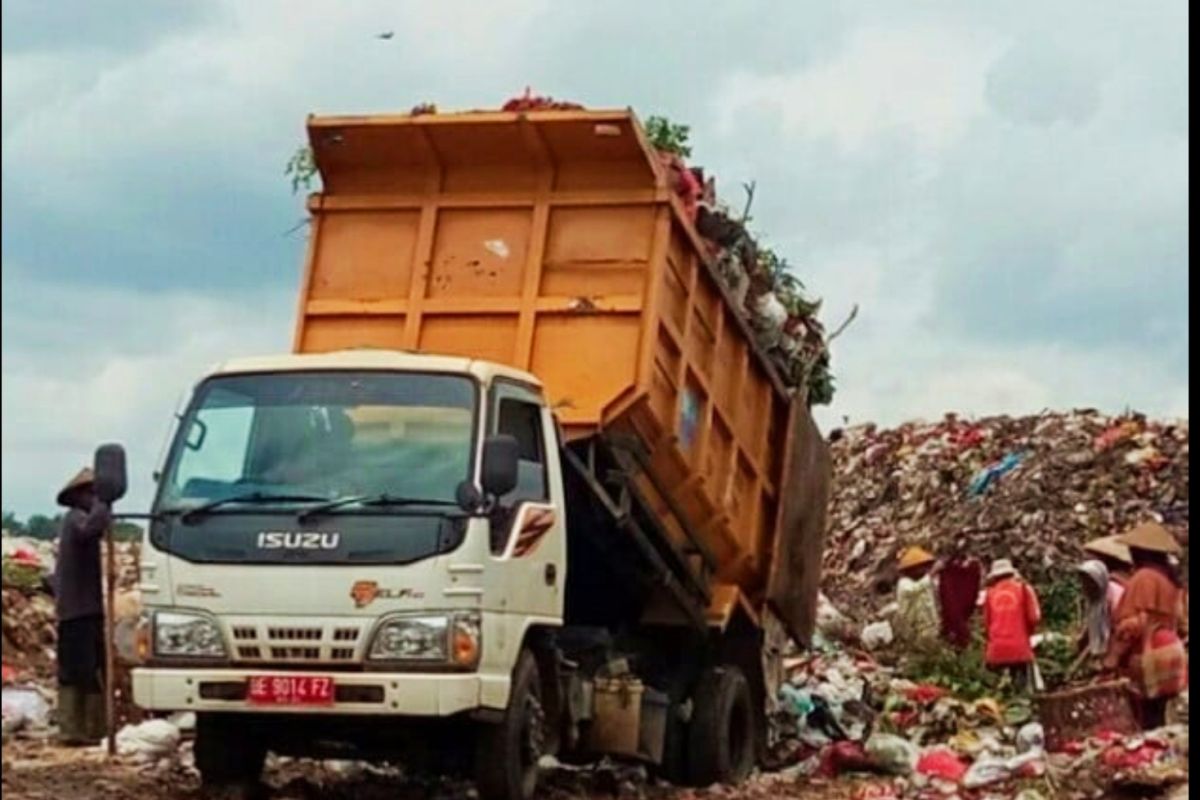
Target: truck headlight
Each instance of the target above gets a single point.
(182, 634)
(452, 639)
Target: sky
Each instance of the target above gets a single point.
(1000, 187)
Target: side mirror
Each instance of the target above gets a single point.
(500, 457)
(109, 469)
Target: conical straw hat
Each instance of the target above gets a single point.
(1151, 536)
(83, 478)
(915, 557)
(1110, 546)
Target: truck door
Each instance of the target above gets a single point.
(528, 532)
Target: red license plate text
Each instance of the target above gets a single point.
(290, 690)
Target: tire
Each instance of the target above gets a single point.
(507, 754)
(227, 753)
(722, 733)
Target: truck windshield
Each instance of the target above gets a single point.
(302, 436)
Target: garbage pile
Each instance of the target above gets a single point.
(1032, 489)
(841, 713)
(28, 609)
(30, 631)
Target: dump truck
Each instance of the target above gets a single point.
(526, 487)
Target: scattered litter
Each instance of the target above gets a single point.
(877, 635)
(148, 741)
(21, 707)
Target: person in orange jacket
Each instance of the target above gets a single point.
(1150, 625)
(1011, 613)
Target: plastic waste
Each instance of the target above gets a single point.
(992, 473)
(841, 757)
(893, 754)
(877, 635)
(1031, 737)
(149, 741)
(943, 763)
(796, 701)
(985, 771)
(22, 706)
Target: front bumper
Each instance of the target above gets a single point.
(361, 693)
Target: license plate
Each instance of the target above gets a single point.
(290, 690)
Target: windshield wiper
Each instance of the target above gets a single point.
(250, 497)
(369, 500)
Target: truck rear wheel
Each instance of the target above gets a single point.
(508, 753)
(226, 752)
(721, 736)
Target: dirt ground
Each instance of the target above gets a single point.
(40, 771)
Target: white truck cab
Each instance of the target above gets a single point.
(322, 544)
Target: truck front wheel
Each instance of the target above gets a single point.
(508, 752)
(226, 752)
(721, 736)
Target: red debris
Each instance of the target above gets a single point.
(531, 102)
(942, 762)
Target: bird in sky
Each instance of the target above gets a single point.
(385, 35)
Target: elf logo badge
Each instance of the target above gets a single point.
(298, 540)
(363, 593)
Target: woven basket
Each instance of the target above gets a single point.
(1078, 712)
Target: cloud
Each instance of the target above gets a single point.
(922, 83)
(1001, 188)
(85, 365)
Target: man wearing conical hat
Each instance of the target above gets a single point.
(917, 623)
(1146, 646)
(80, 609)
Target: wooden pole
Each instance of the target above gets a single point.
(110, 672)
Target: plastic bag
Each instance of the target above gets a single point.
(796, 701)
(941, 762)
(892, 753)
(877, 635)
(1031, 737)
(151, 740)
(985, 771)
(21, 706)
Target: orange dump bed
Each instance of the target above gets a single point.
(551, 241)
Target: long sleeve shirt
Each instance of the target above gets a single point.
(77, 573)
(1150, 600)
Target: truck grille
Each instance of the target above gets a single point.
(332, 642)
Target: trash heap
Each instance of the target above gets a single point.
(841, 714)
(1032, 489)
(30, 631)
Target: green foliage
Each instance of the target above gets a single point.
(41, 527)
(21, 576)
(127, 531)
(669, 137)
(301, 168)
(1061, 601)
(961, 672)
(1054, 659)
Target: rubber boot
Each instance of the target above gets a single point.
(95, 717)
(71, 725)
